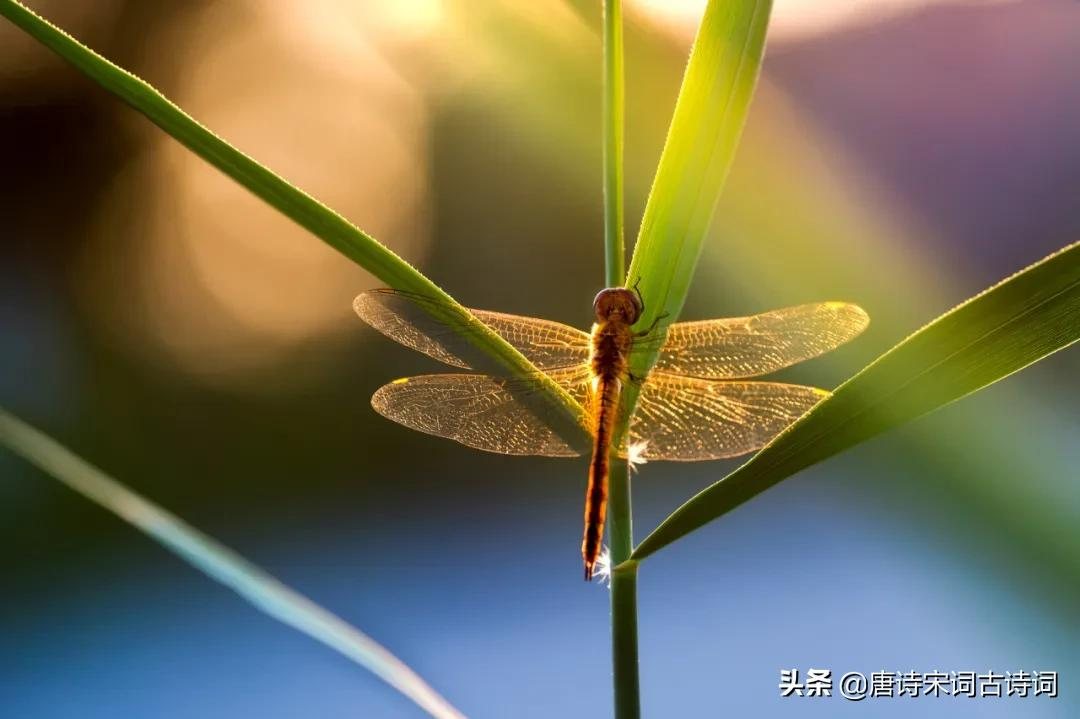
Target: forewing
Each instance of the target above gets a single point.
(478, 411)
(685, 419)
(740, 347)
(402, 317)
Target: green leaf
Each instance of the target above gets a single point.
(1017, 322)
(219, 563)
(566, 415)
(705, 129)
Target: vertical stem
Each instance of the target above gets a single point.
(624, 642)
(614, 248)
(620, 526)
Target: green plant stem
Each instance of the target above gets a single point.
(624, 649)
(613, 123)
(567, 416)
(624, 641)
(218, 562)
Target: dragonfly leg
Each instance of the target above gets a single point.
(637, 291)
(652, 326)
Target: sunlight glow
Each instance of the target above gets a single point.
(790, 18)
(602, 568)
(224, 288)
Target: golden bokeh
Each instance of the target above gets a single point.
(192, 268)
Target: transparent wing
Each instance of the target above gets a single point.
(478, 411)
(749, 346)
(402, 317)
(685, 419)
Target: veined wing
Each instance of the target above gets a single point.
(402, 317)
(739, 347)
(479, 411)
(685, 419)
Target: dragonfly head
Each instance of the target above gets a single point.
(617, 303)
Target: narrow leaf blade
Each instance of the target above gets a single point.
(219, 563)
(1017, 322)
(709, 116)
(294, 203)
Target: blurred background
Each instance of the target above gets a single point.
(901, 154)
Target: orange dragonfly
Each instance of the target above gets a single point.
(697, 402)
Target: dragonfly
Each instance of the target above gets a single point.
(698, 402)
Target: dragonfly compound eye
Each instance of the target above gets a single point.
(617, 301)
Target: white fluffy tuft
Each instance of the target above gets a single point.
(635, 454)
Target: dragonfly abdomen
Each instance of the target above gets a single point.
(606, 405)
(611, 341)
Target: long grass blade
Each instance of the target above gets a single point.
(294, 203)
(220, 563)
(709, 116)
(1024, 318)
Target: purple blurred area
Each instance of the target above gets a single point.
(970, 112)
